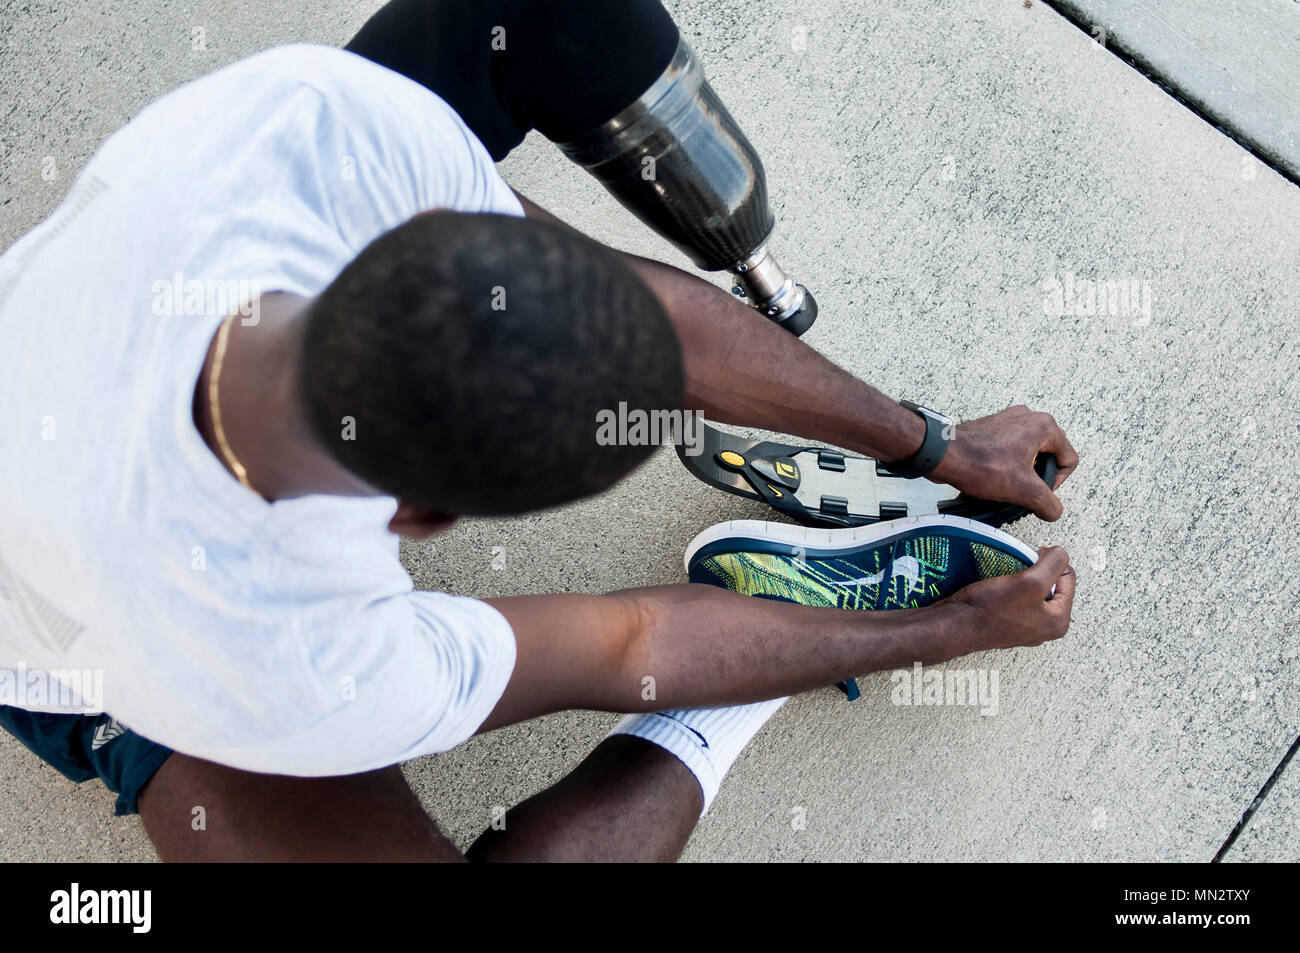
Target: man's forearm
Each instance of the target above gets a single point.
(697, 646)
(707, 646)
(743, 369)
(694, 645)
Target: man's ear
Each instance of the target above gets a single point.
(419, 522)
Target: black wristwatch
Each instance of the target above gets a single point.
(938, 431)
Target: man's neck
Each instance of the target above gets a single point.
(261, 415)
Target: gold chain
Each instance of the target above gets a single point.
(214, 404)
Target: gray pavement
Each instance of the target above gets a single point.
(938, 172)
(1273, 833)
(1238, 63)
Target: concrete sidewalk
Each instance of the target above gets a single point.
(1237, 64)
(949, 178)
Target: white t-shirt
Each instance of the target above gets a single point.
(136, 575)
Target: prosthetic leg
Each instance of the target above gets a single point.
(678, 161)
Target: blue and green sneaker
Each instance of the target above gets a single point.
(899, 564)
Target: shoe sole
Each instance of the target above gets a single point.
(814, 543)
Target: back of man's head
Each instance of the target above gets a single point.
(459, 363)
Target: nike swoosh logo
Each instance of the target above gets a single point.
(704, 742)
(905, 566)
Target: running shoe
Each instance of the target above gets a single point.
(899, 564)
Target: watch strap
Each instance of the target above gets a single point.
(933, 447)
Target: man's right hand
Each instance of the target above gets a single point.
(1009, 611)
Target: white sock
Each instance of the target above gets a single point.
(707, 740)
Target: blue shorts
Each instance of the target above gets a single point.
(81, 747)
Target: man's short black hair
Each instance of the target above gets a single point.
(459, 363)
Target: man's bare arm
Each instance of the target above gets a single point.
(702, 646)
(743, 369)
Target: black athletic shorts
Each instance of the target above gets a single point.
(82, 747)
